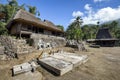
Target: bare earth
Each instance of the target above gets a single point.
(103, 64)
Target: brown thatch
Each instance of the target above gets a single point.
(27, 17)
(104, 38)
(103, 33)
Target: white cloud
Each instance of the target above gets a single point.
(102, 15)
(99, 0)
(87, 7)
(77, 13)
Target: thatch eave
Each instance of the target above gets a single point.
(36, 24)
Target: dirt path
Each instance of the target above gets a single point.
(103, 64)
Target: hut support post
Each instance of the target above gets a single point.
(20, 35)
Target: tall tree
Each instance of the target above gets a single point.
(89, 31)
(114, 28)
(13, 3)
(74, 30)
(33, 10)
(61, 27)
(3, 30)
(10, 9)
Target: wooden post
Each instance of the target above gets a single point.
(20, 26)
(20, 35)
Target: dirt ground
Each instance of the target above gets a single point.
(103, 64)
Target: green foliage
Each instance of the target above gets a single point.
(13, 3)
(3, 30)
(89, 31)
(74, 30)
(61, 27)
(33, 10)
(10, 10)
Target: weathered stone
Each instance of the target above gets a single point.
(25, 67)
(73, 58)
(75, 44)
(17, 69)
(2, 50)
(45, 55)
(14, 46)
(57, 66)
(53, 40)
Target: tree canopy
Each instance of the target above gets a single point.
(9, 10)
(61, 27)
(74, 29)
(78, 32)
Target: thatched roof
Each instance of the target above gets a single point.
(25, 16)
(103, 33)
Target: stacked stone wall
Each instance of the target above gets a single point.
(13, 47)
(54, 41)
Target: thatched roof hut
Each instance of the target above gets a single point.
(24, 16)
(104, 38)
(103, 33)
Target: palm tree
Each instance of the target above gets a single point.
(74, 29)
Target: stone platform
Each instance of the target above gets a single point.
(75, 59)
(57, 66)
(62, 62)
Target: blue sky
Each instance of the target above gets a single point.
(63, 12)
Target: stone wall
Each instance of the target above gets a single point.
(13, 47)
(42, 39)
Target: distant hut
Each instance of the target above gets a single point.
(104, 38)
(24, 24)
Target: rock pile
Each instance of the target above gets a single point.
(8, 43)
(73, 43)
(13, 47)
(23, 47)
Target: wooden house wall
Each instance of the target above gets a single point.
(17, 27)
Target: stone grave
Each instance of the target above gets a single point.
(57, 66)
(62, 62)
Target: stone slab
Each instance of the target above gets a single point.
(17, 69)
(57, 66)
(25, 67)
(73, 58)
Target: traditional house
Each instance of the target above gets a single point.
(24, 24)
(104, 38)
